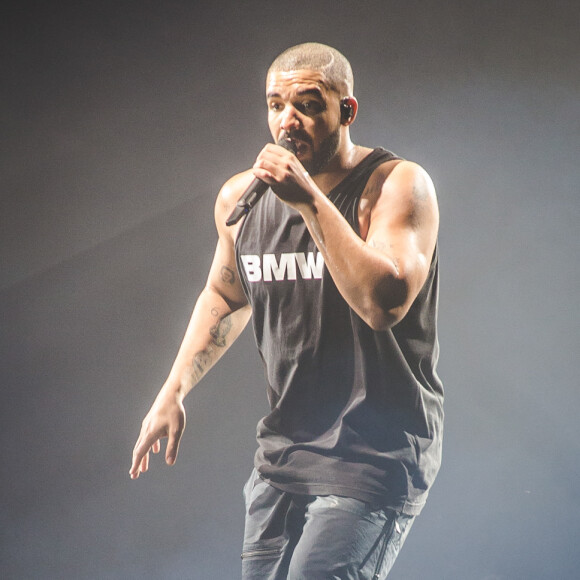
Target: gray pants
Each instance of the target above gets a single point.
(296, 537)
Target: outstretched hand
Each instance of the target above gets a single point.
(166, 418)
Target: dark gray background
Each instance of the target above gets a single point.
(120, 121)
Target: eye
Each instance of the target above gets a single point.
(275, 106)
(310, 107)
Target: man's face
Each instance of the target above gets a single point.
(303, 105)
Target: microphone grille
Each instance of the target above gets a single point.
(287, 144)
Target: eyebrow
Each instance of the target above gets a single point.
(315, 92)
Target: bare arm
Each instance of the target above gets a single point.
(219, 316)
(380, 275)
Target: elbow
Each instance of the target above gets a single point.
(387, 304)
(381, 320)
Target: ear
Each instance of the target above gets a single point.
(348, 110)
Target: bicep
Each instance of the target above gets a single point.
(404, 223)
(223, 278)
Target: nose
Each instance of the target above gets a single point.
(289, 120)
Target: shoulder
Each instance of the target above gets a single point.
(401, 190)
(400, 173)
(408, 194)
(401, 181)
(408, 183)
(229, 194)
(233, 188)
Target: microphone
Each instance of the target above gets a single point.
(255, 190)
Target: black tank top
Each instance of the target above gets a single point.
(354, 412)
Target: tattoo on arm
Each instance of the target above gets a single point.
(228, 275)
(220, 331)
(202, 360)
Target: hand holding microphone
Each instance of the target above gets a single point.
(255, 190)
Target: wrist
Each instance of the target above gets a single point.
(174, 389)
(309, 205)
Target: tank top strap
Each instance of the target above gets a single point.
(365, 168)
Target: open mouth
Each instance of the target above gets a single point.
(300, 147)
(301, 144)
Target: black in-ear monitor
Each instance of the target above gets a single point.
(346, 110)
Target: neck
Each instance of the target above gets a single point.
(347, 157)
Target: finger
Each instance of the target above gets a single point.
(139, 465)
(273, 149)
(144, 463)
(264, 175)
(156, 448)
(134, 471)
(144, 444)
(173, 445)
(141, 456)
(271, 170)
(277, 156)
(272, 158)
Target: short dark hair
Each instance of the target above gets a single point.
(318, 57)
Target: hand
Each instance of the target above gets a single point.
(166, 418)
(284, 173)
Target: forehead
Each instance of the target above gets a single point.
(294, 81)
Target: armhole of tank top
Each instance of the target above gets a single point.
(376, 157)
(240, 229)
(379, 156)
(237, 257)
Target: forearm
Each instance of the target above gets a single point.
(213, 328)
(368, 278)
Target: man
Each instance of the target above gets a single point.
(337, 266)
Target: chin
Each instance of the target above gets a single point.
(324, 154)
